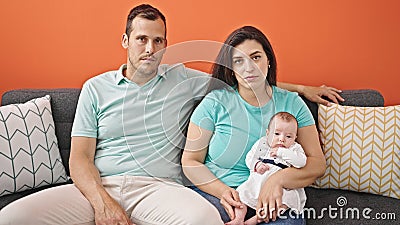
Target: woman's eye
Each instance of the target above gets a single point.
(257, 57)
(237, 61)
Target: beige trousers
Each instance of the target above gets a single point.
(147, 200)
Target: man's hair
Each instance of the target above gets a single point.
(285, 116)
(145, 11)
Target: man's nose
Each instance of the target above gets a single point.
(150, 47)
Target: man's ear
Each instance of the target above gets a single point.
(162, 51)
(125, 41)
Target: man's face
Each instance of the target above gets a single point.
(145, 45)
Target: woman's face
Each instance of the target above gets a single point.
(250, 65)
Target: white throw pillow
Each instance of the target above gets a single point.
(29, 154)
(362, 148)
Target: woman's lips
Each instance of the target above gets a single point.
(250, 78)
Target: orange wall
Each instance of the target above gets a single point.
(349, 44)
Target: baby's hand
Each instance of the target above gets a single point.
(261, 168)
(273, 152)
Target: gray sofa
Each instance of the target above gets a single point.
(64, 105)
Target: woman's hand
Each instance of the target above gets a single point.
(229, 200)
(315, 94)
(269, 200)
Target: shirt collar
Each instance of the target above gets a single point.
(161, 72)
(120, 76)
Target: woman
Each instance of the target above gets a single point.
(231, 118)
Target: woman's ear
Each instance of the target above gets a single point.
(125, 41)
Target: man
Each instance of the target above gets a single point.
(127, 140)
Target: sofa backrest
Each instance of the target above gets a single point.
(362, 98)
(63, 105)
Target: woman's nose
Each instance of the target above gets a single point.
(249, 66)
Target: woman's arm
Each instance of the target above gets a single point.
(314, 94)
(193, 166)
(271, 193)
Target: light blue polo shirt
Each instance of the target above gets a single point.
(237, 125)
(139, 128)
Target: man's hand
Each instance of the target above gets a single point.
(261, 168)
(315, 94)
(111, 214)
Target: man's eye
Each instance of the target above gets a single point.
(159, 41)
(141, 39)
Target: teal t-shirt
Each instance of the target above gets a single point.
(237, 125)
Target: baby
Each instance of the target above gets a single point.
(278, 150)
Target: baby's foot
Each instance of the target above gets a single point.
(251, 221)
(235, 222)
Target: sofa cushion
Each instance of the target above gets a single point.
(29, 154)
(362, 148)
(63, 105)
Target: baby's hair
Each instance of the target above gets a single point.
(285, 116)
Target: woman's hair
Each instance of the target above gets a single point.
(222, 68)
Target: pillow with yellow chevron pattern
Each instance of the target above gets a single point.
(29, 154)
(362, 148)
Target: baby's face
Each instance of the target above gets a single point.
(282, 133)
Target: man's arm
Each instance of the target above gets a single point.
(87, 179)
(313, 93)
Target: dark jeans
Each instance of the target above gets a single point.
(250, 212)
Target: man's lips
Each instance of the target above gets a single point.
(149, 59)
